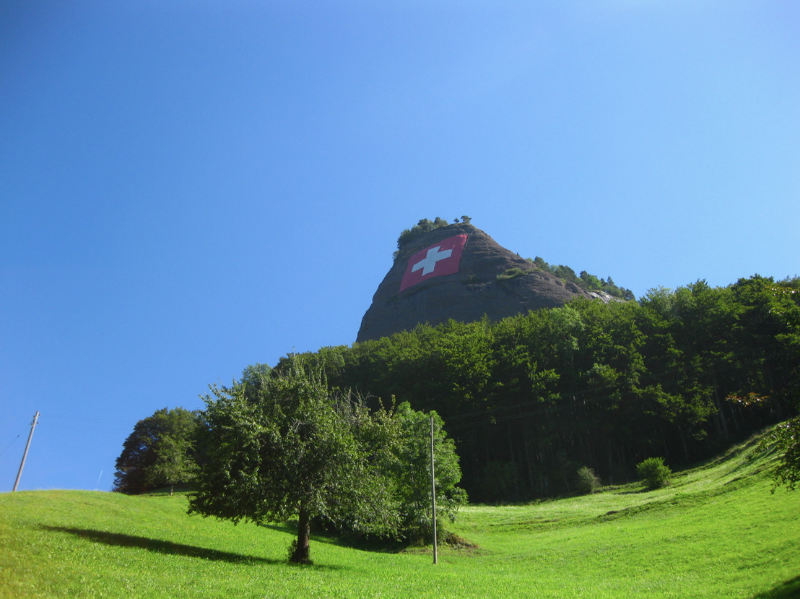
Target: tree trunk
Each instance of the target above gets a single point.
(719, 408)
(531, 489)
(301, 552)
(683, 443)
(513, 461)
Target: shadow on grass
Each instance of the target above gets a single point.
(640, 491)
(168, 547)
(788, 589)
(329, 535)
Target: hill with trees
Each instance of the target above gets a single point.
(534, 397)
(463, 274)
(548, 401)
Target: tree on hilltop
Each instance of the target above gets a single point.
(160, 451)
(423, 226)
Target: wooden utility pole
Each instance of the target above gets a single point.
(433, 501)
(27, 445)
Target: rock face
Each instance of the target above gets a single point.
(482, 284)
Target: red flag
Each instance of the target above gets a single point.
(434, 261)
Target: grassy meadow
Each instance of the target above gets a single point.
(715, 531)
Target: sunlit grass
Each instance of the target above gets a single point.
(715, 531)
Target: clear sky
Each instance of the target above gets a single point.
(189, 187)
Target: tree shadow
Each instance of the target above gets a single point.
(788, 589)
(169, 547)
(639, 491)
(290, 527)
(330, 535)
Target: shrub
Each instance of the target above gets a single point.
(588, 481)
(511, 273)
(423, 226)
(653, 472)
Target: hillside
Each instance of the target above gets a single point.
(716, 531)
(458, 271)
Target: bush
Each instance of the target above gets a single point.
(511, 273)
(653, 472)
(423, 226)
(588, 481)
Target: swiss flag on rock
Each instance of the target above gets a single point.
(434, 261)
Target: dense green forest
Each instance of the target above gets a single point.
(533, 398)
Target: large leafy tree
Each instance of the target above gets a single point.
(409, 468)
(160, 451)
(786, 438)
(174, 461)
(279, 445)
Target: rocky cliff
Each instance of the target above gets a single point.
(459, 272)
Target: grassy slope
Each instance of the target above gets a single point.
(715, 532)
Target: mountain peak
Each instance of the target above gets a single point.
(458, 271)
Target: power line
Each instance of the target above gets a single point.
(10, 444)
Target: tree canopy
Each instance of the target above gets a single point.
(409, 469)
(584, 280)
(159, 452)
(279, 444)
(530, 399)
(423, 226)
(286, 448)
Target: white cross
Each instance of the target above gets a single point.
(429, 262)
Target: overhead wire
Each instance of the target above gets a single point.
(12, 442)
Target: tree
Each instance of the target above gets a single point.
(423, 226)
(286, 447)
(783, 439)
(174, 462)
(159, 452)
(786, 438)
(409, 468)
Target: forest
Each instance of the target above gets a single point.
(530, 400)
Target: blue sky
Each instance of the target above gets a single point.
(187, 188)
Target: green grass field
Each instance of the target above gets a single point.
(716, 531)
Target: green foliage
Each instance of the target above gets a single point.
(785, 439)
(511, 273)
(160, 451)
(587, 481)
(409, 468)
(174, 462)
(499, 482)
(291, 553)
(284, 446)
(584, 280)
(422, 227)
(530, 399)
(653, 472)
